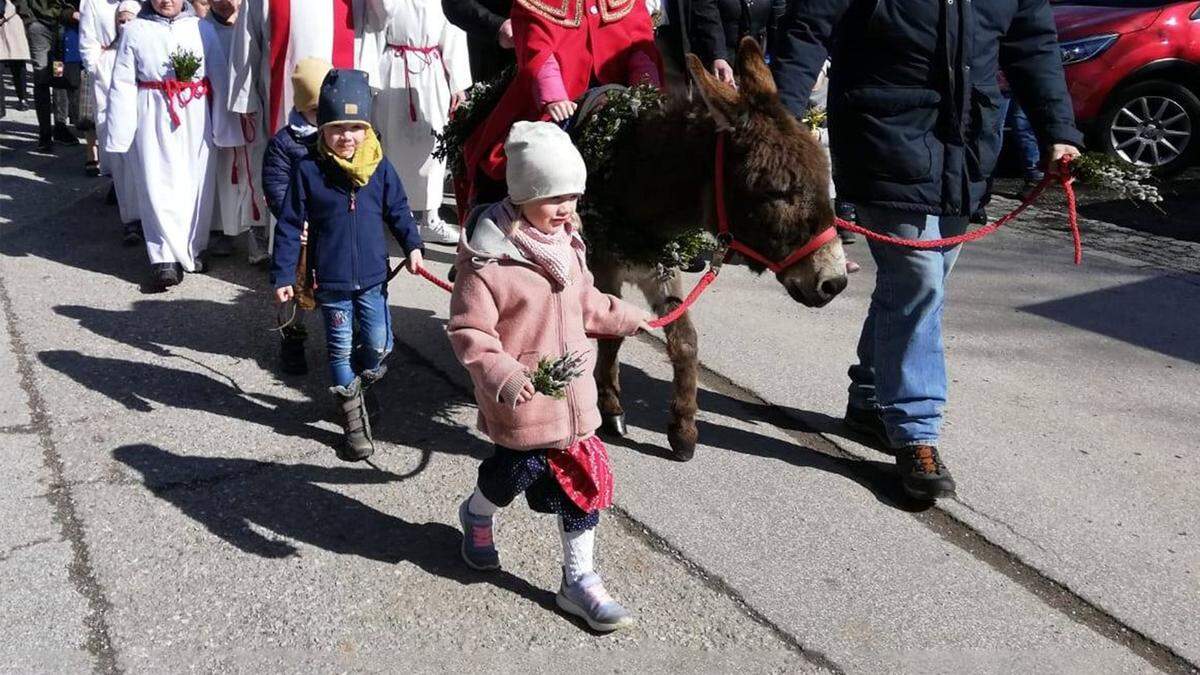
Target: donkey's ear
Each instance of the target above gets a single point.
(721, 99)
(754, 75)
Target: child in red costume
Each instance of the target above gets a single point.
(563, 48)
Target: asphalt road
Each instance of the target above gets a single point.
(173, 503)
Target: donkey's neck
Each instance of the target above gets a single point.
(667, 173)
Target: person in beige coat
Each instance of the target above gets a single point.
(14, 52)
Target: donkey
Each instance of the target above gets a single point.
(776, 188)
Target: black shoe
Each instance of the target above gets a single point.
(980, 217)
(46, 145)
(869, 423)
(64, 135)
(845, 211)
(110, 197)
(220, 245)
(164, 275)
(21, 105)
(292, 360)
(200, 264)
(133, 233)
(92, 169)
(922, 473)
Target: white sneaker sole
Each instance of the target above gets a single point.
(566, 605)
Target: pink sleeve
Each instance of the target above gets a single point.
(548, 85)
(605, 314)
(642, 67)
(473, 336)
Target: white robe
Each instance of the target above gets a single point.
(419, 85)
(175, 177)
(240, 202)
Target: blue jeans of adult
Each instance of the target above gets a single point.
(358, 332)
(1012, 114)
(901, 369)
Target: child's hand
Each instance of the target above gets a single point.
(304, 234)
(561, 111)
(527, 392)
(415, 262)
(723, 71)
(284, 294)
(456, 99)
(505, 36)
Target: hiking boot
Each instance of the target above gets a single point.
(133, 233)
(922, 473)
(438, 231)
(165, 275)
(1032, 180)
(369, 378)
(869, 423)
(64, 135)
(478, 544)
(220, 245)
(356, 424)
(588, 600)
(292, 358)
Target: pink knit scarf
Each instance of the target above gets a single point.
(552, 252)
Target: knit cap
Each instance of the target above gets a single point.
(345, 97)
(542, 162)
(306, 83)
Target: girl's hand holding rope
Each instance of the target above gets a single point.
(415, 262)
(284, 294)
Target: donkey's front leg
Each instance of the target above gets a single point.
(609, 277)
(682, 349)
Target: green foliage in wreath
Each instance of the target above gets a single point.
(597, 138)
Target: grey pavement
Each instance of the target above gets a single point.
(176, 504)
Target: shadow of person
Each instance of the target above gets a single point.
(289, 501)
(639, 389)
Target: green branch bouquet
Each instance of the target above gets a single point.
(185, 64)
(553, 375)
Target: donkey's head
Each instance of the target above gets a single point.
(776, 178)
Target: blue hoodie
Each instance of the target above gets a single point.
(290, 145)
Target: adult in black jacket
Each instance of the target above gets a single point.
(913, 120)
(718, 26)
(489, 34)
(43, 20)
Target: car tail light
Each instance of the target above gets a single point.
(1077, 51)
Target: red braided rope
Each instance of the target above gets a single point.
(1064, 179)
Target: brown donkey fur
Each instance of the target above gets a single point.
(776, 191)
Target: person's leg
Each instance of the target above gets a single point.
(337, 308)
(41, 44)
(373, 338)
(582, 591)
(1031, 155)
(20, 80)
(906, 356)
(503, 476)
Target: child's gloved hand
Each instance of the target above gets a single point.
(415, 262)
(284, 294)
(561, 111)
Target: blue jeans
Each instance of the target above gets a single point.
(901, 369)
(358, 331)
(1013, 114)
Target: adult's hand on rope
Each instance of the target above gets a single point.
(284, 294)
(561, 111)
(415, 262)
(644, 325)
(505, 36)
(723, 72)
(1057, 152)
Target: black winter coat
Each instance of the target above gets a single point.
(717, 26)
(284, 151)
(481, 20)
(913, 96)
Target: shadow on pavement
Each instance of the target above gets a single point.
(640, 392)
(289, 500)
(1152, 314)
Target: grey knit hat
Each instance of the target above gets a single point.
(542, 162)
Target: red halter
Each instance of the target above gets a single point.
(727, 239)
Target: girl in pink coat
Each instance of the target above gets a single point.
(524, 293)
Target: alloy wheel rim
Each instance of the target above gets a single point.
(1151, 131)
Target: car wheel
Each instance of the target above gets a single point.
(1152, 124)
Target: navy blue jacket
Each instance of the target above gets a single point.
(913, 99)
(347, 247)
(284, 151)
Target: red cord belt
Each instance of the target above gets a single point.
(178, 92)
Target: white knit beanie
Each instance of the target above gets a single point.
(542, 162)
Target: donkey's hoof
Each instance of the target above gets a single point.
(613, 425)
(683, 445)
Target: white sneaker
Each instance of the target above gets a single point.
(439, 232)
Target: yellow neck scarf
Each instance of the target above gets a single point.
(361, 166)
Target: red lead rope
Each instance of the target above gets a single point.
(1064, 179)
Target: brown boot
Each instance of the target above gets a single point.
(357, 444)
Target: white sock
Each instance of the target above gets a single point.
(578, 550)
(481, 506)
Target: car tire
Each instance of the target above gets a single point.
(1145, 106)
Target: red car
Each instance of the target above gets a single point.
(1133, 69)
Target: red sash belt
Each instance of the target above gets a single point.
(179, 92)
(424, 57)
(582, 471)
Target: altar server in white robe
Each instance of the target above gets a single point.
(240, 203)
(172, 126)
(99, 31)
(272, 36)
(425, 72)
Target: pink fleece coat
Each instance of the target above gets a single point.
(506, 314)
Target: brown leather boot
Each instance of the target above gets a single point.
(356, 424)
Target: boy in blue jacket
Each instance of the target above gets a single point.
(347, 194)
(284, 151)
